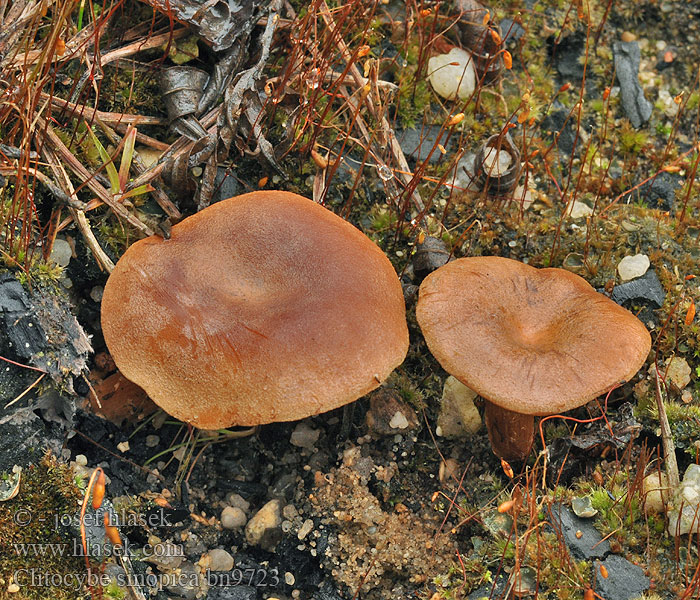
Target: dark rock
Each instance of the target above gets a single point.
(83, 269)
(625, 580)
(512, 30)
(225, 185)
(389, 414)
(660, 192)
(232, 592)
(492, 591)
(24, 441)
(185, 583)
(559, 126)
(419, 144)
(589, 545)
(284, 486)
(429, 256)
(646, 288)
(327, 592)
(289, 559)
(566, 53)
(410, 293)
(637, 108)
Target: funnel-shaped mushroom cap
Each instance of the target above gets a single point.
(264, 307)
(533, 341)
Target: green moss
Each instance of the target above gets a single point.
(47, 494)
(412, 103)
(631, 140)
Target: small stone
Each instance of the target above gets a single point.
(683, 518)
(234, 499)
(668, 104)
(626, 57)
(388, 414)
(61, 252)
(96, 293)
(220, 560)
(524, 582)
(184, 583)
(647, 289)
(398, 421)
(263, 529)
(13, 588)
(628, 36)
(452, 75)
(586, 546)
(655, 489)
(430, 255)
(458, 415)
(290, 512)
(305, 529)
(692, 474)
(497, 523)
(449, 469)
(304, 436)
(524, 197)
(289, 578)
(580, 210)
(583, 507)
(148, 155)
(496, 162)
(232, 517)
(123, 446)
(625, 580)
(632, 267)
(152, 441)
(81, 460)
(165, 555)
(690, 495)
(678, 372)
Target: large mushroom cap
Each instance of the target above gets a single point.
(264, 307)
(533, 341)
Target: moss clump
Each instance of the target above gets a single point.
(34, 545)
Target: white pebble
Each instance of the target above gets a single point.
(232, 517)
(398, 421)
(632, 267)
(81, 460)
(304, 436)
(496, 162)
(580, 210)
(452, 80)
(220, 560)
(234, 499)
(305, 529)
(61, 253)
(152, 441)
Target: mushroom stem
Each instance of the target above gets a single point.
(511, 433)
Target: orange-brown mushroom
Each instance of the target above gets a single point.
(529, 341)
(264, 307)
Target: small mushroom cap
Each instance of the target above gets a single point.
(533, 341)
(264, 307)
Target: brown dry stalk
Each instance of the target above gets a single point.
(103, 261)
(87, 178)
(371, 101)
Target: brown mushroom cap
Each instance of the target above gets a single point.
(533, 341)
(264, 307)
